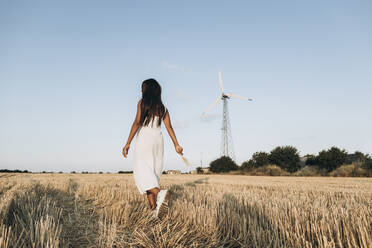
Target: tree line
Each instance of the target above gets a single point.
(288, 159)
(13, 171)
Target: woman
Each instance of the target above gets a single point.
(149, 146)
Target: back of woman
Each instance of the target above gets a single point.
(149, 146)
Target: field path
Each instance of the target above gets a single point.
(79, 223)
(51, 215)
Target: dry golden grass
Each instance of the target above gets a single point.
(106, 210)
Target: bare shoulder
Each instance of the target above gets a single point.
(165, 112)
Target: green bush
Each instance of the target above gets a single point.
(247, 166)
(368, 164)
(357, 157)
(286, 157)
(311, 160)
(351, 170)
(258, 159)
(269, 170)
(310, 171)
(331, 159)
(199, 170)
(223, 164)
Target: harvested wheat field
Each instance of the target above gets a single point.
(106, 210)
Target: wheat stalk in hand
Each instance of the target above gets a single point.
(185, 160)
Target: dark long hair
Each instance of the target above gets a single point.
(151, 104)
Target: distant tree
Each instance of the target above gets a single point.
(73, 172)
(286, 157)
(332, 158)
(14, 171)
(260, 159)
(61, 172)
(199, 170)
(223, 164)
(125, 172)
(164, 172)
(311, 160)
(368, 163)
(247, 165)
(356, 157)
(100, 172)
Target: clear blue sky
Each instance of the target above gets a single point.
(70, 76)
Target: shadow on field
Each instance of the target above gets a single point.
(135, 212)
(239, 223)
(244, 224)
(178, 190)
(198, 181)
(43, 214)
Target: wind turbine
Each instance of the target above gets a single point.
(227, 148)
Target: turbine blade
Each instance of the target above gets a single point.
(239, 97)
(212, 105)
(220, 80)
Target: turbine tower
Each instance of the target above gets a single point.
(227, 148)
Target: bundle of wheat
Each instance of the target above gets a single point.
(185, 160)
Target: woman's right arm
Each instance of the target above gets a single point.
(171, 133)
(133, 130)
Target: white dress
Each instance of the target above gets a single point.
(148, 155)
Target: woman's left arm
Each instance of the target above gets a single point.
(133, 130)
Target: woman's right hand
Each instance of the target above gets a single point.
(125, 150)
(179, 149)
